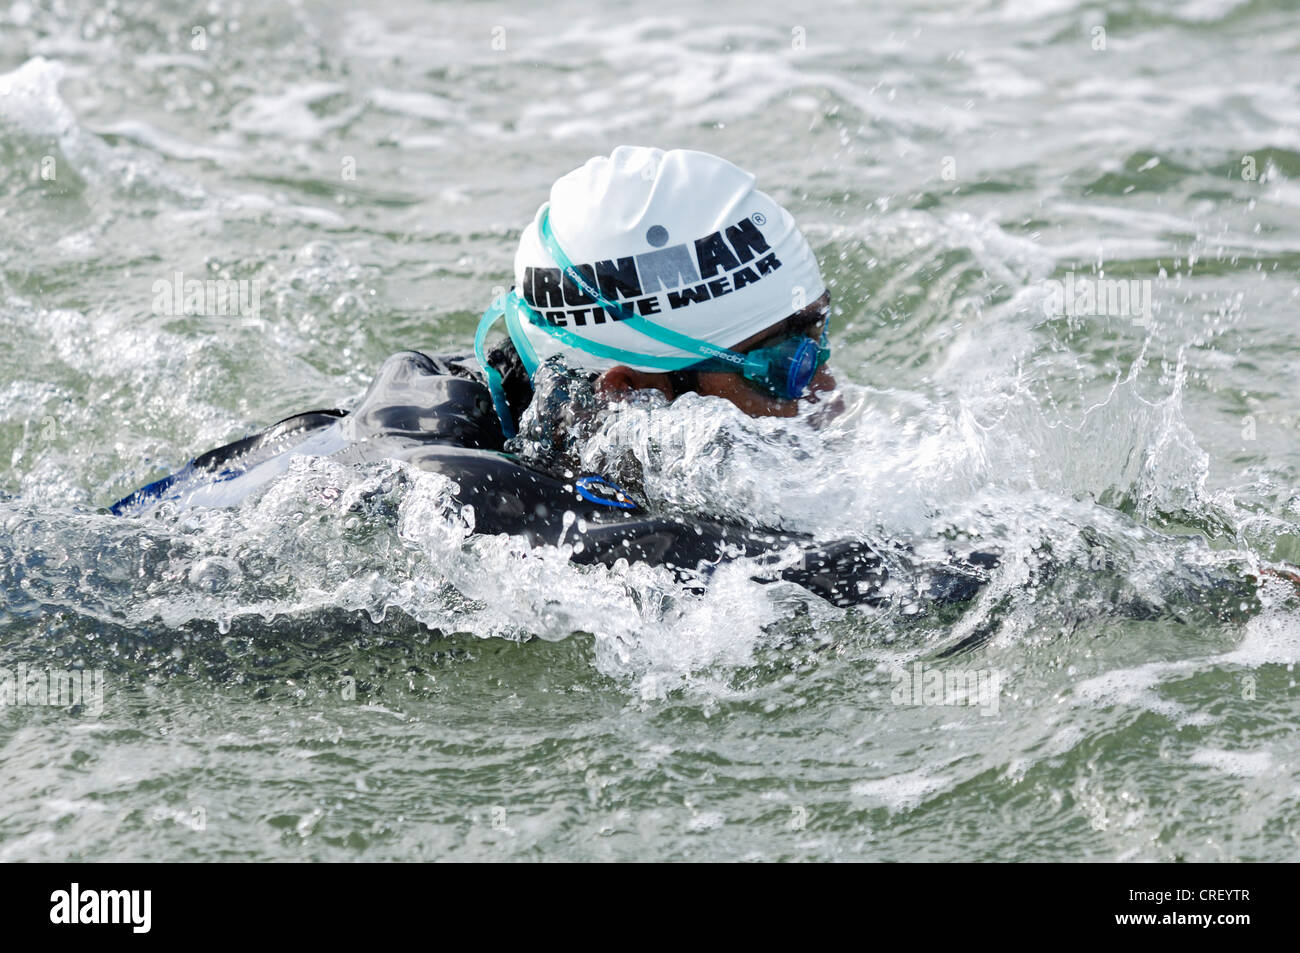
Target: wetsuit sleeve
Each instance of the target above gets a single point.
(845, 573)
(233, 458)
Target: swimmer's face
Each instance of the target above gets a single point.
(746, 395)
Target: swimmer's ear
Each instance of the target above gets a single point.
(619, 381)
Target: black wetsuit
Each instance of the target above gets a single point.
(436, 414)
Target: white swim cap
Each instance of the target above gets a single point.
(681, 238)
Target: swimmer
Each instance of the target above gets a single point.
(646, 270)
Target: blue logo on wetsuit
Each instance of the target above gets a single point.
(598, 490)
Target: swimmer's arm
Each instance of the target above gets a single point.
(845, 573)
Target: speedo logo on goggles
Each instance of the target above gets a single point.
(667, 278)
(784, 369)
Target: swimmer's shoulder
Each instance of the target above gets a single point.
(426, 398)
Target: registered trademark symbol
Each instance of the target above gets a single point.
(759, 218)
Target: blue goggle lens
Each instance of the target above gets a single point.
(803, 365)
(786, 369)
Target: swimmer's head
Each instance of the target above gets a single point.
(675, 254)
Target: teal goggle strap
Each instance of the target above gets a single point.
(515, 309)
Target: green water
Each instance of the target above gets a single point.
(334, 672)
